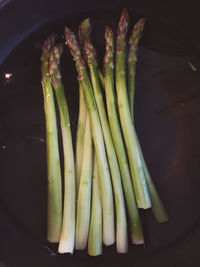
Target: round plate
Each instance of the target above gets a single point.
(167, 122)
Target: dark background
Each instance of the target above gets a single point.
(173, 30)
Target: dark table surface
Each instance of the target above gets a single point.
(18, 18)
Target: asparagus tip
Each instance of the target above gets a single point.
(89, 51)
(48, 44)
(71, 39)
(84, 30)
(123, 23)
(55, 55)
(72, 43)
(137, 31)
(68, 35)
(57, 51)
(54, 61)
(108, 34)
(109, 37)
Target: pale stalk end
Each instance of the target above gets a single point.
(65, 246)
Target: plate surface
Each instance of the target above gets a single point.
(167, 121)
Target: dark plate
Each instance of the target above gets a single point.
(167, 121)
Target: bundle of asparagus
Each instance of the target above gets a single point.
(109, 169)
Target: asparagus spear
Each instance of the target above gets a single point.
(135, 225)
(66, 243)
(84, 193)
(89, 54)
(105, 182)
(54, 202)
(80, 137)
(132, 58)
(157, 205)
(95, 233)
(81, 122)
(137, 172)
(121, 224)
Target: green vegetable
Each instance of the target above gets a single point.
(134, 218)
(80, 137)
(95, 233)
(157, 205)
(66, 243)
(137, 171)
(84, 192)
(105, 182)
(121, 224)
(54, 190)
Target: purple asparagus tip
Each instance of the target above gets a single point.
(54, 61)
(73, 45)
(48, 44)
(123, 23)
(109, 38)
(57, 50)
(89, 51)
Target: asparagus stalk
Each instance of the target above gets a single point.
(93, 245)
(157, 205)
(134, 218)
(82, 115)
(66, 243)
(132, 58)
(80, 137)
(95, 232)
(84, 193)
(137, 171)
(89, 54)
(121, 224)
(105, 182)
(81, 126)
(101, 78)
(54, 190)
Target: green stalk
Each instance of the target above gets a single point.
(80, 137)
(134, 218)
(54, 190)
(66, 243)
(101, 78)
(157, 205)
(84, 193)
(132, 58)
(81, 118)
(137, 171)
(95, 232)
(121, 224)
(105, 182)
